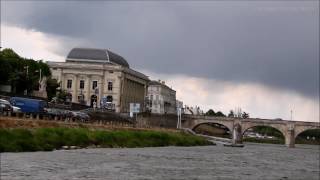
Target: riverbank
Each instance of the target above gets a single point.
(267, 141)
(281, 141)
(48, 139)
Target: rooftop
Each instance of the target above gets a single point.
(96, 56)
(161, 83)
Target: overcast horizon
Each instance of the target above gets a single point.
(261, 56)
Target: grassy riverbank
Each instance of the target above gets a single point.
(47, 139)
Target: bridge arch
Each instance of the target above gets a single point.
(278, 133)
(299, 130)
(217, 125)
(227, 124)
(281, 128)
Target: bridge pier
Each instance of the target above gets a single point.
(237, 134)
(290, 138)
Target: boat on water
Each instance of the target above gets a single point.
(234, 145)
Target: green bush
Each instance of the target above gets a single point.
(47, 139)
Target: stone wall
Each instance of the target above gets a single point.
(154, 120)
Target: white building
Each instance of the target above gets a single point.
(162, 98)
(98, 75)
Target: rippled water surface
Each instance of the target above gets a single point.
(254, 161)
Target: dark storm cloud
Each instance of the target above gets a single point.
(271, 43)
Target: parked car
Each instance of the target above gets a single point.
(77, 115)
(16, 109)
(28, 105)
(52, 112)
(5, 106)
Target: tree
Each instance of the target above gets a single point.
(52, 85)
(21, 73)
(5, 71)
(245, 115)
(220, 114)
(231, 113)
(62, 96)
(9, 53)
(210, 112)
(20, 83)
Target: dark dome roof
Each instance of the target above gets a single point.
(96, 55)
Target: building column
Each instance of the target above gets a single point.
(75, 88)
(88, 89)
(145, 94)
(101, 89)
(62, 80)
(102, 85)
(289, 136)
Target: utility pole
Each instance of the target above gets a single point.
(27, 68)
(179, 118)
(40, 77)
(291, 114)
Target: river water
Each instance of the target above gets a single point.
(254, 161)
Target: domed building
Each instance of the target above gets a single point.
(100, 77)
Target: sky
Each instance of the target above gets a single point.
(260, 56)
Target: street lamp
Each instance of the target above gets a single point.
(27, 68)
(40, 74)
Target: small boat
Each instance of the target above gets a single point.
(234, 145)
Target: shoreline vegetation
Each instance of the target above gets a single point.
(48, 139)
(280, 141)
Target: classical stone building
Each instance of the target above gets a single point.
(101, 77)
(162, 98)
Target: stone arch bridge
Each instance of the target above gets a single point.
(237, 126)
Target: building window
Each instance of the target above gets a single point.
(94, 84)
(69, 84)
(69, 97)
(109, 86)
(109, 99)
(81, 84)
(81, 98)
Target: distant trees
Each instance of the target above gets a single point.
(231, 114)
(220, 114)
(243, 115)
(21, 73)
(211, 112)
(52, 85)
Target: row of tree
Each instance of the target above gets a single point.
(211, 112)
(23, 74)
(243, 115)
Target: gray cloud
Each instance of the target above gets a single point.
(271, 43)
